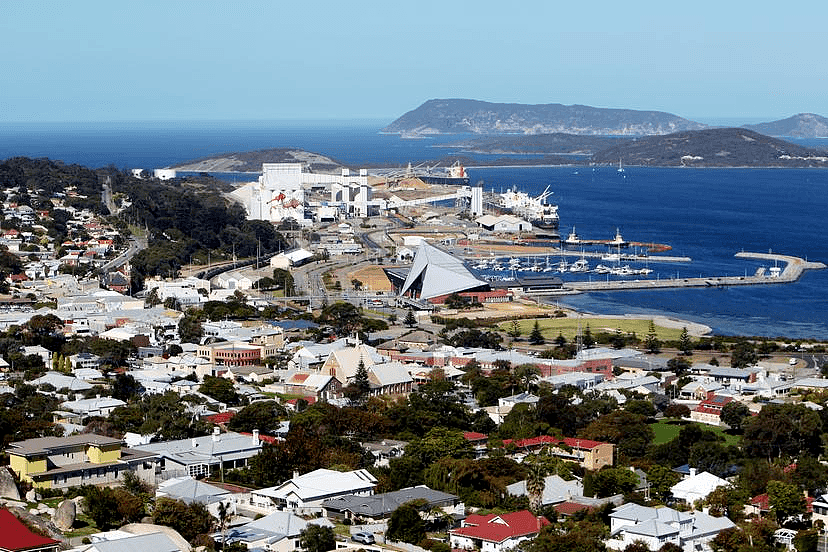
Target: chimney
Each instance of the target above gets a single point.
(295, 474)
(255, 436)
(193, 442)
(692, 472)
(216, 433)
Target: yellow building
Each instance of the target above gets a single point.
(61, 462)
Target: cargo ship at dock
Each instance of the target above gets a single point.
(536, 210)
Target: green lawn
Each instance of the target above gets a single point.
(550, 327)
(667, 430)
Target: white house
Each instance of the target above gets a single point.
(308, 491)
(197, 456)
(696, 486)
(276, 532)
(657, 526)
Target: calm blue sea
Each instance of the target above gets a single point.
(706, 214)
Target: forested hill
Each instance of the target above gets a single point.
(187, 218)
(724, 147)
(457, 116)
(802, 125)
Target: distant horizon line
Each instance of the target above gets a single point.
(201, 120)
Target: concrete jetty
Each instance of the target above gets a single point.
(794, 268)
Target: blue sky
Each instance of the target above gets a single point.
(168, 60)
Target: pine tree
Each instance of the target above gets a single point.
(67, 366)
(588, 340)
(56, 361)
(560, 341)
(361, 384)
(652, 342)
(536, 337)
(685, 344)
(410, 319)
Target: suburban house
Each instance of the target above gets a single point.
(381, 506)
(658, 526)
(700, 390)
(820, 508)
(122, 541)
(276, 532)
(76, 411)
(555, 490)
(196, 457)
(383, 451)
(321, 386)
(310, 490)
(87, 459)
(709, 411)
(496, 533)
(760, 505)
(734, 378)
(190, 490)
(479, 442)
(17, 537)
(696, 486)
(249, 373)
(591, 455)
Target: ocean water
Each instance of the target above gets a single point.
(706, 214)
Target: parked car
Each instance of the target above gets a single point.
(364, 537)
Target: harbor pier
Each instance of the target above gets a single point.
(793, 270)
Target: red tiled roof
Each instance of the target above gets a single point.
(498, 528)
(763, 502)
(16, 536)
(309, 399)
(581, 443)
(266, 438)
(542, 440)
(474, 436)
(569, 508)
(220, 418)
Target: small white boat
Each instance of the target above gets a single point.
(581, 265)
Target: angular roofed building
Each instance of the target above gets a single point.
(435, 274)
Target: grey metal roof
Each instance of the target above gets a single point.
(47, 445)
(228, 446)
(191, 490)
(157, 542)
(385, 503)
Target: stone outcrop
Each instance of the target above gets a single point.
(8, 488)
(64, 516)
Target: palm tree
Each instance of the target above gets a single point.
(535, 485)
(224, 517)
